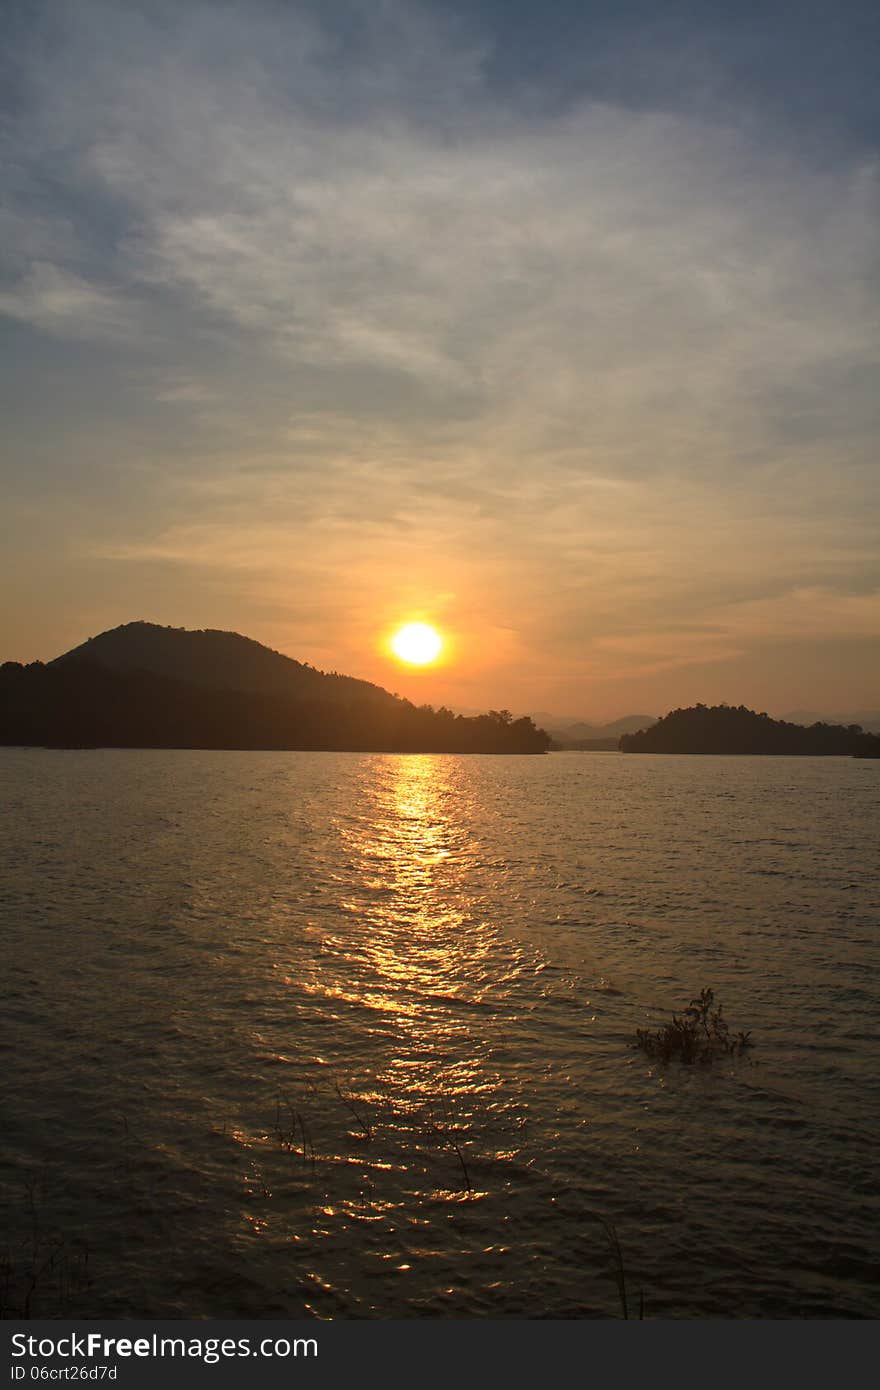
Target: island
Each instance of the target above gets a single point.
(736, 729)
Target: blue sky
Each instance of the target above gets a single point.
(553, 325)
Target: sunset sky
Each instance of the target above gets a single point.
(553, 325)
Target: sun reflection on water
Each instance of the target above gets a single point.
(412, 1121)
(424, 945)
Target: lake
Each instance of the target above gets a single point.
(351, 1036)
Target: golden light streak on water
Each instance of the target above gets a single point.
(357, 1030)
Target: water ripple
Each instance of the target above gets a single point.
(350, 1036)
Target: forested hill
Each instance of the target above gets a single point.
(218, 660)
(81, 702)
(728, 729)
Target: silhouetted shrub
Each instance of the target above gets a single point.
(700, 1035)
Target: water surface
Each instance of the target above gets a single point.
(339, 1035)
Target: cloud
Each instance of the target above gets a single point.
(53, 299)
(610, 366)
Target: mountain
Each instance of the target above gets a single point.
(600, 738)
(629, 724)
(569, 731)
(144, 686)
(724, 729)
(217, 660)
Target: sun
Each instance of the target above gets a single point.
(417, 643)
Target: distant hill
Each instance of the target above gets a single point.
(582, 734)
(144, 686)
(869, 720)
(586, 745)
(725, 729)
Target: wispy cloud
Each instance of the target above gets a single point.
(57, 301)
(599, 364)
